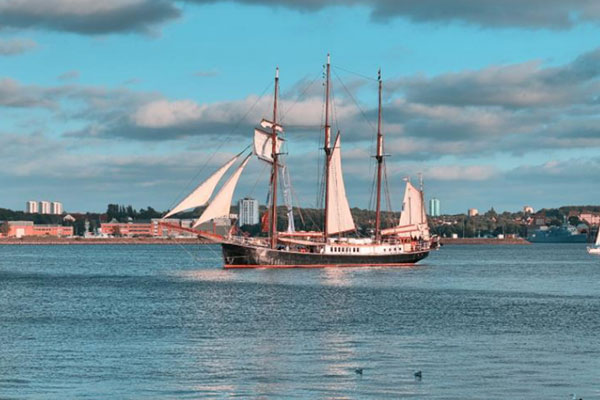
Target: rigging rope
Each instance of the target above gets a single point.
(221, 144)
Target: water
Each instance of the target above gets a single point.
(151, 322)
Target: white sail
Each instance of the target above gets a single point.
(413, 209)
(263, 145)
(598, 239)
(413, 220)
(202, 193)
(220, 205)
(339, 217)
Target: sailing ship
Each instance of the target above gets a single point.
(338, 244)
(596, 248)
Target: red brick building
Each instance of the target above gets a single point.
(18, 229)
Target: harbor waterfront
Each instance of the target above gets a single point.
(167, 322)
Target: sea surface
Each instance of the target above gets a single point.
(166, 322)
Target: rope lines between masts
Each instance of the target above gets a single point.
(364, 115)
(222, 142)
(355, 73)
(300, 97)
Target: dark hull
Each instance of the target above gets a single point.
(242, 256)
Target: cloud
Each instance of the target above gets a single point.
(524, 85)
(13, 94)
(472, 113)
(90, 17)
(11, 47)
(531, 14)
(69, 75)
(163, 113)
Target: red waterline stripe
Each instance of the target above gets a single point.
(242, 266)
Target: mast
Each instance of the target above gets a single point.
(273, 228)
(327, 148)
(379, 158)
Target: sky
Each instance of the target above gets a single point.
(137, 101)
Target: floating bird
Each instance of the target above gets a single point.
(418, 375)
(358, 371)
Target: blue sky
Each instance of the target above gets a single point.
(132, 101)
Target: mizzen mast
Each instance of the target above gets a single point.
(327, 148)
(275, 166)
(379, 158)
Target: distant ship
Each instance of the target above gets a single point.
(339, 244)
(557, 234)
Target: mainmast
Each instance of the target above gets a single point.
(274, 172)
(379, 158)
(327, 148)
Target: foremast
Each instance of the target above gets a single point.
(274, 167)
(379, 158)
(327, 149)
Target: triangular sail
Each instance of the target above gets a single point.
(220, 205)
(263, 147)
(339, 217)
(598, 239)
(413, 209)
(413, 220)
(202, 193)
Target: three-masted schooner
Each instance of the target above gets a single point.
(407, 243)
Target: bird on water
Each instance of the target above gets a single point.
(358, 371)
(418, 375)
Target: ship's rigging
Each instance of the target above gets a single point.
(409, 239)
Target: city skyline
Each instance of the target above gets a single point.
(136, 96)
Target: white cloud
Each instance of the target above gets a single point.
(11, 47)
(164, 113)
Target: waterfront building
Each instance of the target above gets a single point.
(248, 211)
(473, 212)
(19, 229)
(31, 207)
(45, 207)
(434, 207)
(57, 208)
(528, 210)
(162, 228)
(127, 229)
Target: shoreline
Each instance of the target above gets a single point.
(98, 241)
(32, 241)
(480, 241)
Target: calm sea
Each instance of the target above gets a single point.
(166, 322)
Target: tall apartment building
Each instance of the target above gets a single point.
(248, 211)
(45, 207)
(31, 207)
(57, 208)
(434, 207)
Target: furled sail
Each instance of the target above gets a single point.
(269, 125)
(220, 205)
(202, 193)
(263, 145)
(339, 217)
